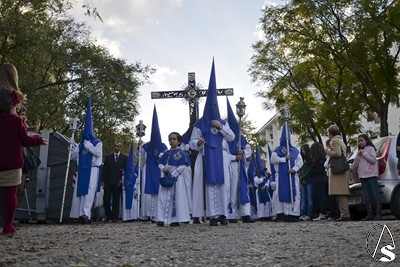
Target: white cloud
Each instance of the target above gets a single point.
(162, 76)
(130, 16)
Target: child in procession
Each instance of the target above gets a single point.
(173, 203)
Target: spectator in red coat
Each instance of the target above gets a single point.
(13, 136)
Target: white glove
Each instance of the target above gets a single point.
(273, 185)
(87, 144)
(257, 180)
(186, 147)
(175, 174)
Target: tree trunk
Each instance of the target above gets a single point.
(383, 115)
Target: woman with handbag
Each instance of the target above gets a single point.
(337, 182)
(172, 202)
(366, 165)
(12, 136)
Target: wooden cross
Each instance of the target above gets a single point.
(192, 93)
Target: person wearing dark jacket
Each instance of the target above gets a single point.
(318, 174)
(398, 153)
(114, 165)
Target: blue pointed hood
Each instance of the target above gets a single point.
(186, 136)
(235, 127)
(259, 164)
(284, 176)
(153, 148)
(283, 135)
(129, 179)
(88, 126)
(85, 159)
(211, 112)
(271, 166)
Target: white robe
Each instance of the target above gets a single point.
(83, 205)
(232, 187)
(283, 207)
(165, 203)
(216, 199)
(148, 201)
(188, 180)
(263, 210)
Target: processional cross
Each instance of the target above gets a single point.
(192, 93)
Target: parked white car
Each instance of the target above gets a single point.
(389, 179)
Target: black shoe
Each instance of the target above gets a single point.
(87, 220)
(247, 219)
(278, 218)
(160, 223)
(232, 221)
(343, 219)
(290, 218)
(213, 222)
(174, 224)
(185, 222)
(196, 220)
(84, 219)
(223, 220)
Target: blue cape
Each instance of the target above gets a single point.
(213, 167)
(284, 182)
(153, 149)
(129, 179)
(85, 158)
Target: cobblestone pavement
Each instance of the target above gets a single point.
(145, 244)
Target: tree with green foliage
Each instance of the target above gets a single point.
(331, 61)
(59, 67)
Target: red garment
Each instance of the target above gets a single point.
(13, 136)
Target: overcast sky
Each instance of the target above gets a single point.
(181, 36)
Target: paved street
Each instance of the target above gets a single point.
(145, 244)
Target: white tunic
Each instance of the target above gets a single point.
(232, 187)
(263, 210)
(216, 199)
(165, 203)
(83, 205)
(148, 201)
(283, 207)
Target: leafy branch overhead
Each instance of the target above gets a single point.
(59, 66)
(332, 62)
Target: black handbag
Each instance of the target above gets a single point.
(339, 165)
(167, 180)
(31, 159)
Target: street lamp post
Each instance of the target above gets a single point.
(240, 111)
(140, 132)
(285, 114)
(74, 124)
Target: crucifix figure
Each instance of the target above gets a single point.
(192, 93)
